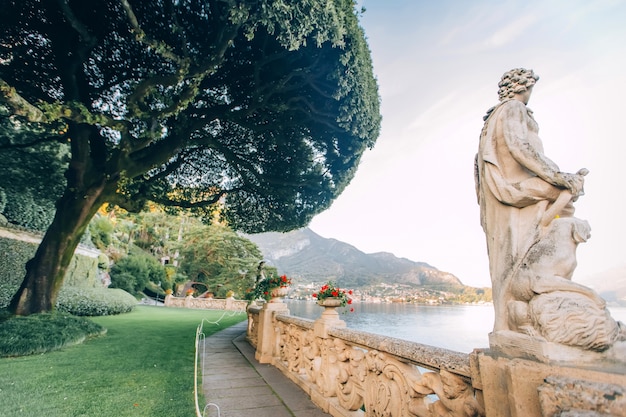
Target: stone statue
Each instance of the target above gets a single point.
(526, 211)
(260, 272)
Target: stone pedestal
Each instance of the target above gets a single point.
(514, 387)
(519, 345)
(330, 318)
(266, 339)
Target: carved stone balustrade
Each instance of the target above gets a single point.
(353, 373)
(350, 373)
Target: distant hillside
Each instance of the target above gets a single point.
(307, 256)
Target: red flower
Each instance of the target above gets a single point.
(352, 310)
(350, 292)
(330, 290)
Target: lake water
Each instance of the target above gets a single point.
(456, 327)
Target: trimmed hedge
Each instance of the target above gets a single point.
(81, 293)
(41, 333)
(82, 272)
(94, 301)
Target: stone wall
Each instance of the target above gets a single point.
(229, 304)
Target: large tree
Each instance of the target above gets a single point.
(219, 257)
(262, 106)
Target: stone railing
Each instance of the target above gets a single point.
(229, 304)
(354, 373)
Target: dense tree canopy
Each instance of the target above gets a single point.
(264, 107)
(219, 258)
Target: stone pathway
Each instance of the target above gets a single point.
(240, 386)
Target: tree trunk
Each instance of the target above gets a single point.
(85, 192)
(45, 272)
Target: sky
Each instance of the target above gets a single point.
(438, 64)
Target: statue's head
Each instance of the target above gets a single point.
(516, 81)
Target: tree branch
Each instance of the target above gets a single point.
(51, 112)
(161, 48)
(90, 41)
(184, 74)
(19, 105)
(192, 204)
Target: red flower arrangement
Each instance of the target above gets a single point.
(263, 289)
(330, 290)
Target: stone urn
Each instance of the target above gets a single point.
(330, 304)
(277, 294)
(330, 317)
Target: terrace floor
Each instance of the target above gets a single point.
(240, 386)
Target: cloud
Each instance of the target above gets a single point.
(433, 114)
(511, 32)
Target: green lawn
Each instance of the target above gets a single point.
(143, 366)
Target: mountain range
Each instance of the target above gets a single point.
(306, 256)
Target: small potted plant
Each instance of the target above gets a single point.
(271, 289)
(332, 296)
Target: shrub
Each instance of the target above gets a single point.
(153, 290)
(133, 272)
(40, 333)
(101, 230)
(124, 281)
(103, 262)
(94, 301)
